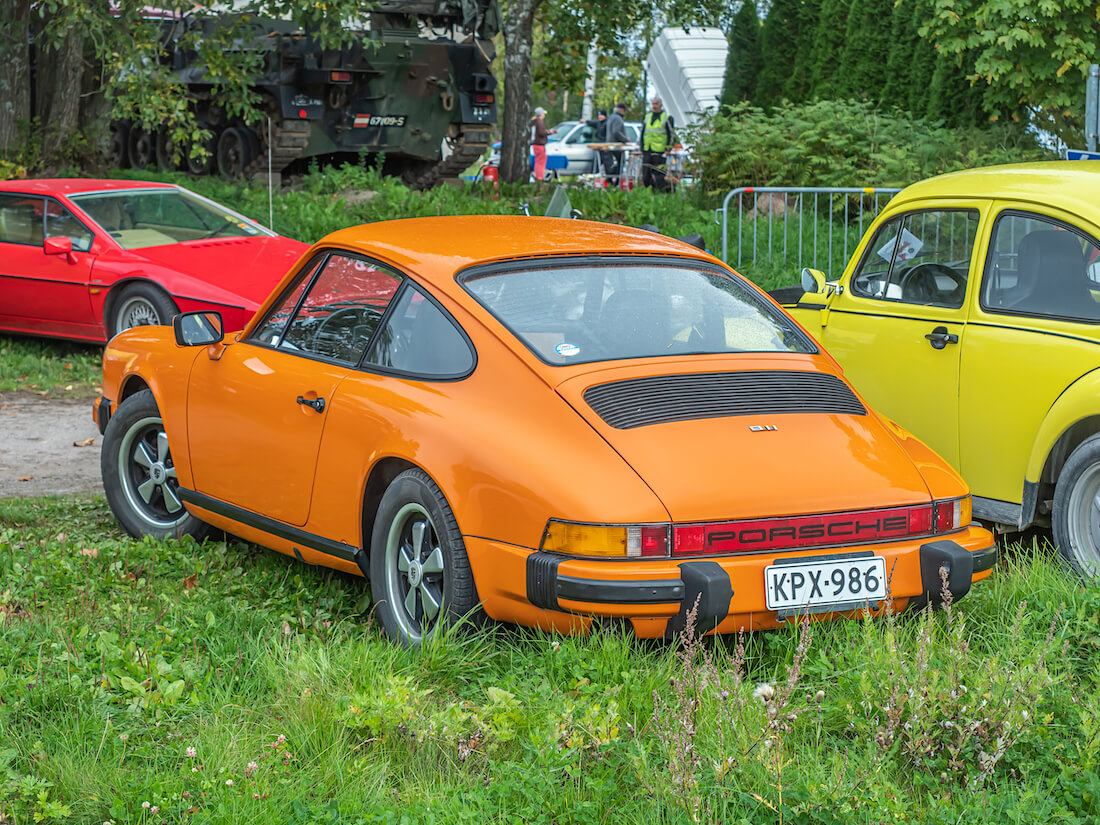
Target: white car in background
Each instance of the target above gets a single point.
(571, 141)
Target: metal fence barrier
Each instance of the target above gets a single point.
(794, 203)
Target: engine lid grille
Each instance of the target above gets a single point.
(640, 402)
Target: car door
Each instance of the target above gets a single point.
(1034, 331)
(43, 292)
(256, 414)
(898, 322)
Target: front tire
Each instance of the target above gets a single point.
(139, 475)
(1076, 515)
(140, 304)
(420, 574)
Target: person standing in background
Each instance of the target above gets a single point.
(539, 135)
(658, 139)
(616, 133)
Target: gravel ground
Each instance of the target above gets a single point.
(38, 446)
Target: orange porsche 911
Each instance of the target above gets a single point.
(543, 421)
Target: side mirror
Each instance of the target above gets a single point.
(813, 280)
(60, 246)
(198, 329)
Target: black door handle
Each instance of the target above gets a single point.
(940, 337)
(317, 403)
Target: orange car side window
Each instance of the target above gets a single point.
(342, 309)
(271, 330)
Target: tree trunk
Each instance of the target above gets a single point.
(57, 98)
(15, 79)
(519, 41)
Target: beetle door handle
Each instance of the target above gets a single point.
(317, 403)
(940, 337)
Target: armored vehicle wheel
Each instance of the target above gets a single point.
(166, 149)
(235, 152)
(142, 147)
(118, 154)
(205, 164)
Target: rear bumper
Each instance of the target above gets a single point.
(726, 593)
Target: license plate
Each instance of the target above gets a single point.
(820, 585)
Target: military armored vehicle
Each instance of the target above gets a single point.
(414, 85)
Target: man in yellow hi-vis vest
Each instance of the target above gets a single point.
(658, 139)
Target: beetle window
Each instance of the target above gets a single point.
(1040, 267)
(419, 338)
(341, 310)
(919, 258)
(632, 308)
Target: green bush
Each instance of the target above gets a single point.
(843, 143)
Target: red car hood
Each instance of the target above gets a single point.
(246, 267)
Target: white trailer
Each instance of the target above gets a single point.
(687, 70)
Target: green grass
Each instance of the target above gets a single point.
(46, 367)
(116, 656)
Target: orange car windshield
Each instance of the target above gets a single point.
(631, 308)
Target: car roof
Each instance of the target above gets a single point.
(73, 186)
(435, 248)
(1071, 185)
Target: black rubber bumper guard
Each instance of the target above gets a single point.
(705, 586)
(103, 414)
(957, 562)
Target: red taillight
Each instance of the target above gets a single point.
(483, 98)
(340, 77)
(302, 113)
(920, 519)
(646, 541)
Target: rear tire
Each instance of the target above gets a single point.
(140, 304)
(1076, 515)
(139, 476)
(420, 574)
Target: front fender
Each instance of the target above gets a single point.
(151, 355)
(1076, 403)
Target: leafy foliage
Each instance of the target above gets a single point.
(743, 60)
(843, 143)
(1024, 56)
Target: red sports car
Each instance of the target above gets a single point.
(85, 259)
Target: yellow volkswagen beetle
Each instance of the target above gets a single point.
(970, 314)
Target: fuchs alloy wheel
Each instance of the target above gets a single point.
(140, 305)
(420, 575)
(1076, 515)
(139, 475)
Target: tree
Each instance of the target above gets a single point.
(865, 46)
(778, 47)
(119, 47)
(743, 62)
(1025, 56)
(572, 24)
(827, 43)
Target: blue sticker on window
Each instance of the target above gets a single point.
(566, 349)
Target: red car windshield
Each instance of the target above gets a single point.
(632, 308)
(138, 218)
